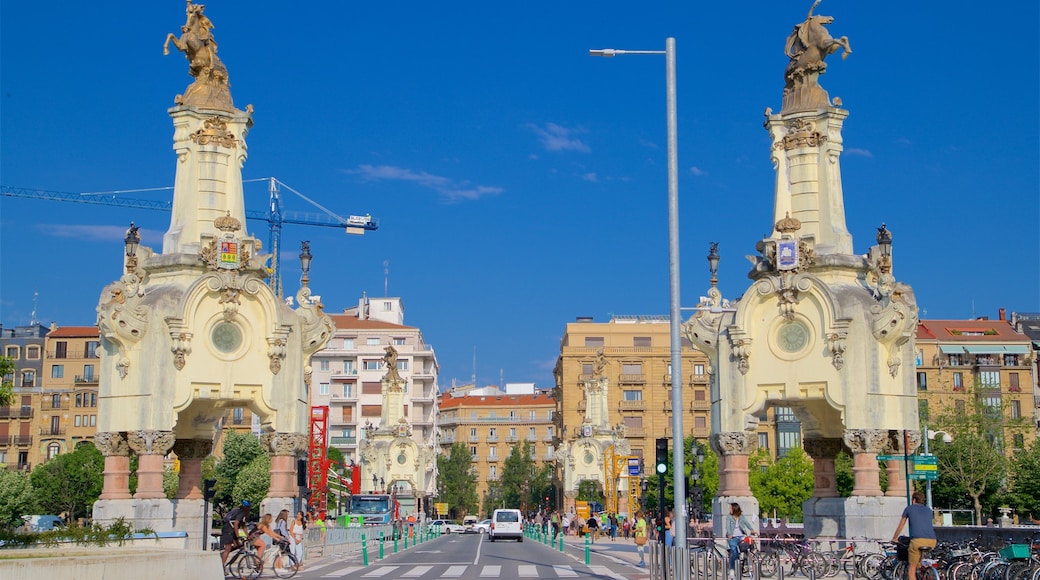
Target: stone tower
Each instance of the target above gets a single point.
(821, 330)
(193, 331)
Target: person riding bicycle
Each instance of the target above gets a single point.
(736, 527)
(233, 521)
(264, 528)
(921, 532)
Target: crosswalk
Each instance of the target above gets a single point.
(429, 571)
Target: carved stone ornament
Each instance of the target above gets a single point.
(215, 131)
(836, 345)
(741, 351)
(151, 442)
(188, 449)
(390, 362)
(787, 287)
(226, 223)
(822, 448)
(317, 326)
(111, 444)
(276, 352)
(894, 323)
(801, 133)
(283, 443)
(866, 440)
(897, 445)
(807, 47)
(180, 346)
(122, 318)
(733, 443)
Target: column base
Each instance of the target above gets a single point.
(852, 517)
(720, 509)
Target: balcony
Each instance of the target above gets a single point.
(637, 405)
(632, 379)
(47, 404)
(86, 379)
(701, 379)
(511, 439)
(492, 459)
(423, 398)
(447, 439)
(21, 440)
(13, 413)
(474, 457)
(702, 405)
(585, 377)
(27, 385)
(342, 440)
(549, 457)
(473, 439)
(634, 432)
(349, 375)
(548, 438)
(492, 438)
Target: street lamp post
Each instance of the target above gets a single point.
(679, 491)
(928, 434)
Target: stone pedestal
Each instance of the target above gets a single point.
(870, 517)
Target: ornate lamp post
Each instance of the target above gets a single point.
(305, 263)
(130, 242)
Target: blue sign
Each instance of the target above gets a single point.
(633, 466)
(787, 254)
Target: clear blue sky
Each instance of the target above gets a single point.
(520, 182)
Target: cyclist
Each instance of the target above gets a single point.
(264, 528)
(232, 521)
(736, 527)
(922, 534)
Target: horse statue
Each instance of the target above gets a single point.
(807, 47)
(199, 47)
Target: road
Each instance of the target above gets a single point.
(472, 557)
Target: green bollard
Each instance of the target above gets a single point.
(586, 550)
(405, 534)
(395, 542)
(381, 547)
(561, 540)
(364, 551)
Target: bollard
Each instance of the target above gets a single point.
(561, 542)
(405, 541)
(586, 550)
(364, 551)
(381, 538)
(395, 543)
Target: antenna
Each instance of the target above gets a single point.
(386, 278)
(474, 367)
(36, 296)
(501, 379)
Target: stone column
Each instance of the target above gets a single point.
(733, 448)
(865, 445)
(283, 448)
(569, 501)
(896, 468)
(823, 452)
(116, 475)
(151, 447)
(191, 452)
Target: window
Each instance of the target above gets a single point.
(698, 369)
(76, 421)
(55, 401)
(549, 431)
(371, 410)
(88, 373)
(1013, 383)
(534, 415)
(57, 371)
(492, 452)
(402, 365)
(79, 399)
(492, 415)
(93, 420)
(593, 341)
(93, 399)
(700, 422)
(699, 395)
(991, 406)
(550, 414)
(1016, 409)
(632, 368)
(633, 395)
(348, 344)
(373, 364)
(633, 422)
(492, 433)
(28, 378)
(32, 352)
(11, 352)
(956, 360)
(473, 450)
(1011, 360)
(323, 389)
(641, 341)
(90, 349)
(958, 381)
(1019, 441)
(52, 451)
(922, 381)
(323, 365)
(531, 436)
(472, 431)
(512, 415)
(238, 416)
(349, 367)
(922, 409)
(388, 306)
(492, 472)
(586, 368)
(372, 341)
(920, 357)
(763, 441)
(348, 390)
(61, 349)
(550, 450)
(989, 379)
(371, 388)
(399, 341)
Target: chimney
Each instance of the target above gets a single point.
(1002, 313)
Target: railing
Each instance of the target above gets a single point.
(343, 440)
(585, 377)
(474, 457)
(492, 438)
(47, 404)
(635, 432)
(497, 420)
(86, 379)
(448, 439)
(548, 438)
(12, 413)
(703, 405)
(492, 458)
(511, 439)
(20, 440)
(700, 379)
(28, 384)
(321, 542)
(51, 431)
(632, 379)
(632, 405)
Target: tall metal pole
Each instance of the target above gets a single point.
(678, 448)
(927, 482)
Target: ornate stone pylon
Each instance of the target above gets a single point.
(195, 330)
(822, 330)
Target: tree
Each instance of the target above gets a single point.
(517, 473)
(973, 464)
(843, 474)
(16, 497)
(171, 482)
(240, 449)
(456, 481)
(6, 381)
(254, 480)
(1024, 475)
(783, 486)
(70, 483)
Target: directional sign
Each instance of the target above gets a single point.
(891, 457)
(925, 467)
(633, 466)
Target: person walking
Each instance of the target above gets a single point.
(297, 527)
(736, 527)
(921, 531)
(669, 536)
(593, 524)
(555, 519)
(612, 521)
(639, 536)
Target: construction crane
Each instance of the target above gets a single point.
(274, 216)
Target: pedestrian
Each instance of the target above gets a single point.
(625, 526)
(566, 522)
(921, 532)
(579, 525)
(639, 535)
(593, 524)
(736, 527)
(297, 527)
(669, 537)
(555, 519)
(612, 520)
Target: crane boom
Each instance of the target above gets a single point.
(274, 216)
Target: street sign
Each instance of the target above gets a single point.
(925, 467)
(633, 466)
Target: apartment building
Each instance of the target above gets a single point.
(348, 372)
(24, 345)
(491, 421)
(67, 401)
(965, 363)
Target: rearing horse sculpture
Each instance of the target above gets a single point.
(809, 44)
(198, 46)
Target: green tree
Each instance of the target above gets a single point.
(972, 464)
(16, 497)
(240, 449)
(517, 474)
(843, 474)
(254, 480)
(70, 483)
(456, 481)
(170, 482)
(6, 381)
(1024, 475)
(590, 490)
(783, 486)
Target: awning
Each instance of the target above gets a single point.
(951, 349)
(1016, 349)
(985, 349)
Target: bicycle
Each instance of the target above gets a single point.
(708, 559)
(895, 564)
(252, 566)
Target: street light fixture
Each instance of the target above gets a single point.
(679, 492)
(305, 263)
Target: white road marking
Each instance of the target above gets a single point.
(564, 571)
(528, 571)
(342, 572)
(416, 572)
(454, 572)
(491, 572)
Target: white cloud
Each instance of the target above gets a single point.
(590, 177)
(450, 189)
(559, 138)
(98, 233)
(903, 141)
(860, 152)
(648, 144)
(697, 171)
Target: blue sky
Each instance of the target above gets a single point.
(520, 182)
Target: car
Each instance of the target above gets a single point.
(506, 523)
(43, 523)
(447, 526)
(482, 527)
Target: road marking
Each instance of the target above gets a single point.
(454, 572)
(343, 572)
(528, 571)
(564, 571)
(491, 572)
(604, 571)
(381, 571)
(416, 572)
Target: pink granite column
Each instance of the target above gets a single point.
(898, 444)
(865, 445)
(733, 449)
(823, 453)
(283, 449)
(151, 448)
(191, 452)
(116, 476)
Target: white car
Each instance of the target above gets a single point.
(506, 523)
(482, 527)
(447, 526)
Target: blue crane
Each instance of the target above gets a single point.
(274, 215)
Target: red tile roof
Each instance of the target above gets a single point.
(449, 402)
(75, 332)
(965, 331)
(348, 322)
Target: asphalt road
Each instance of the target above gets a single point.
(472, 557)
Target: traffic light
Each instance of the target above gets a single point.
(209, 489)
(662, 456)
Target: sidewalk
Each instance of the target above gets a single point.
(621, 549)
